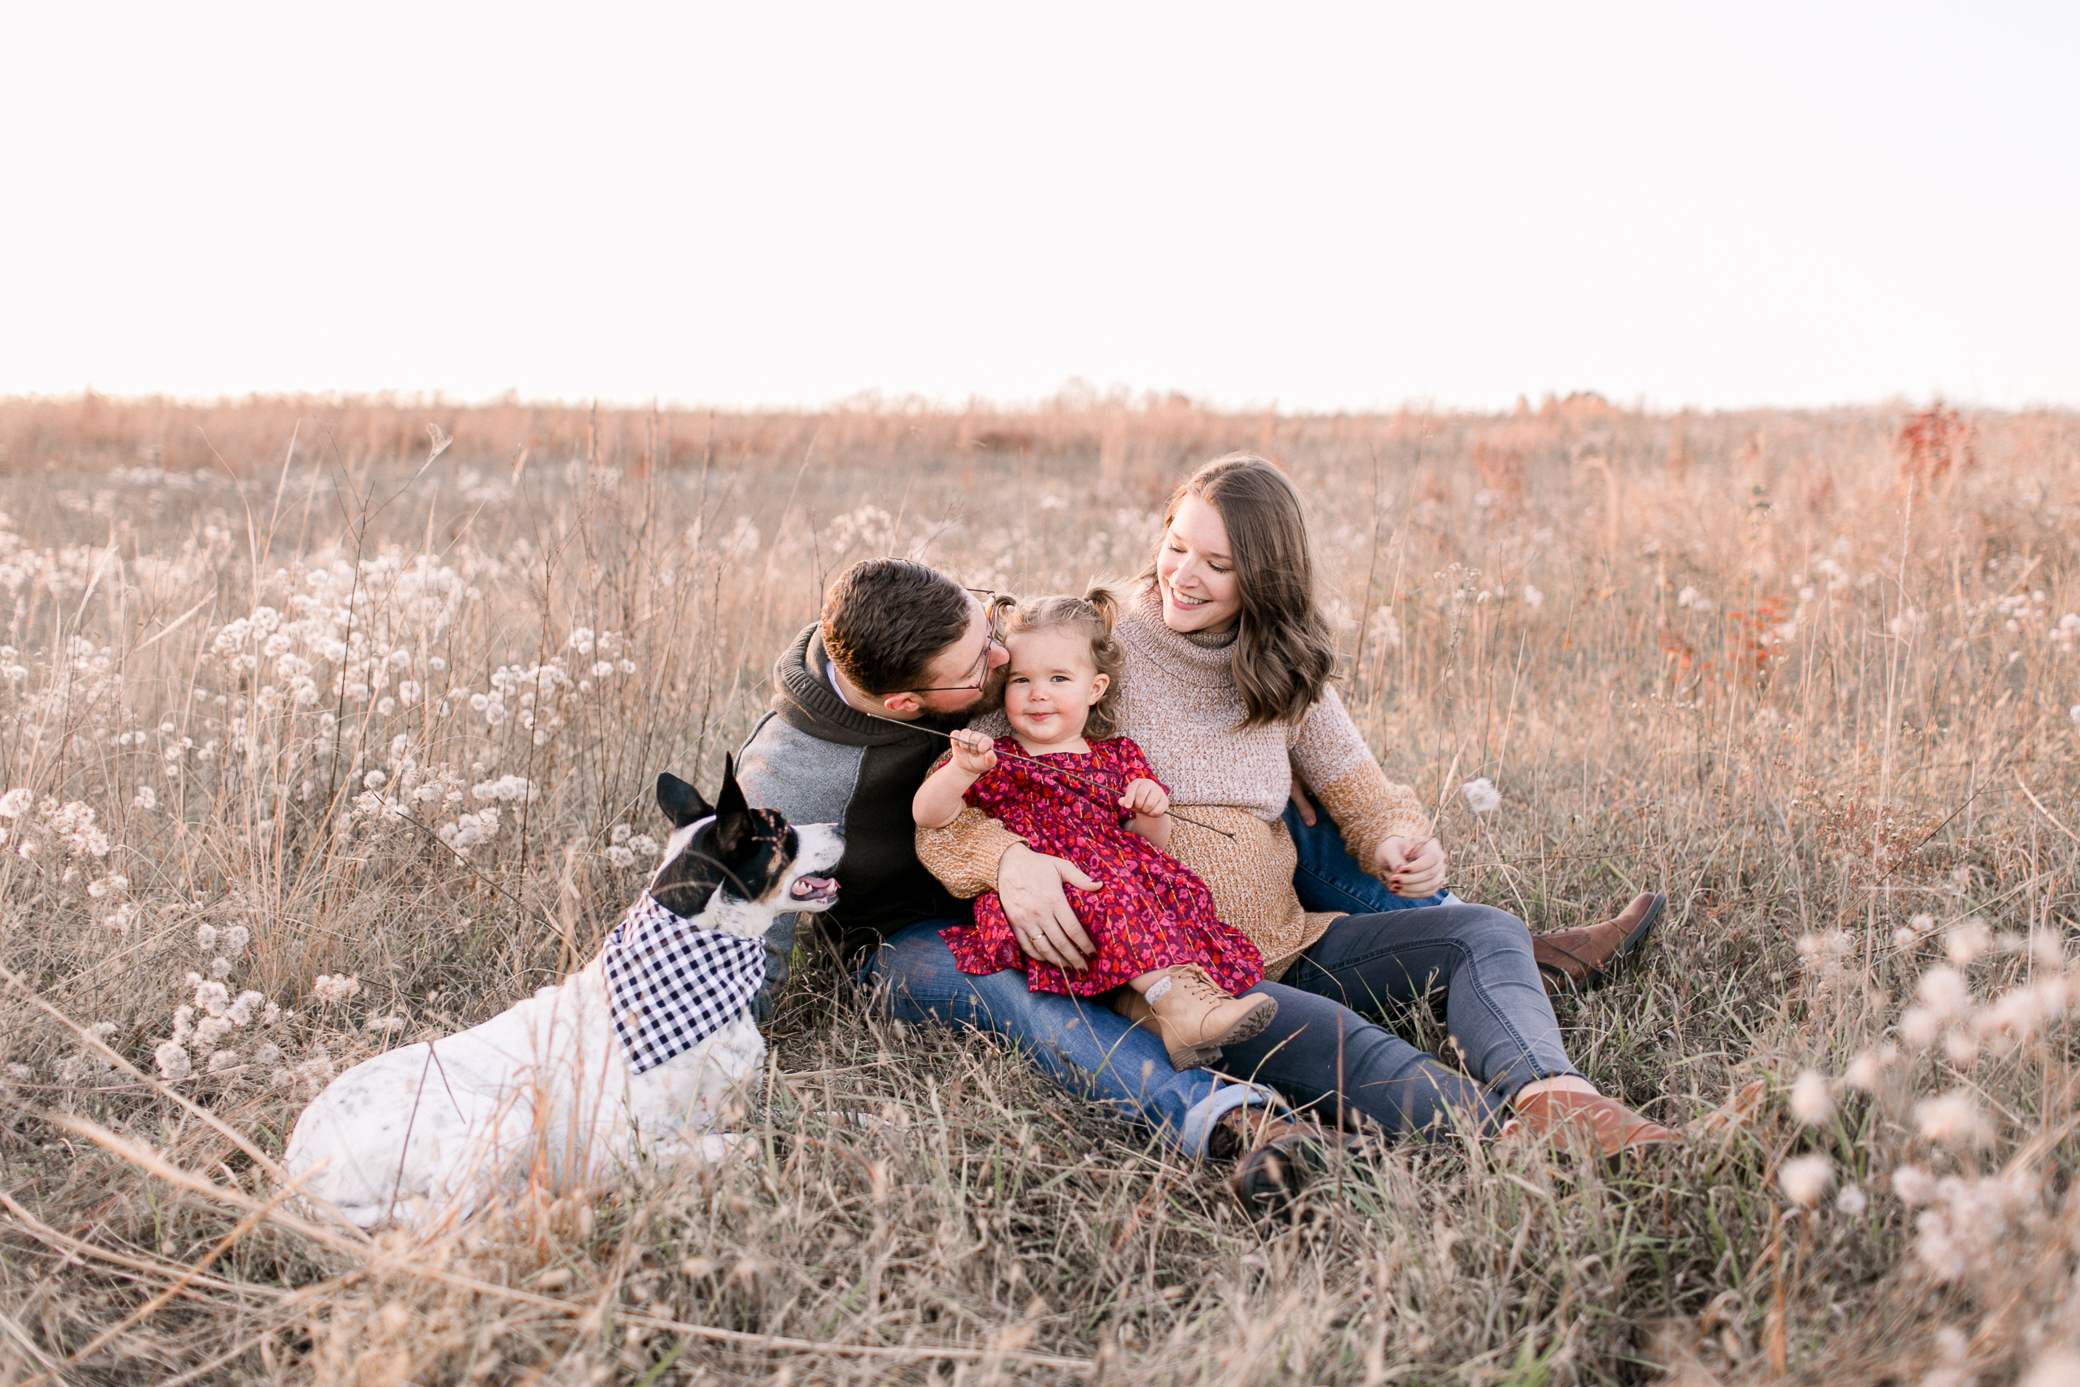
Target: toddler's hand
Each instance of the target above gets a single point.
(973, 752)
(1146, 797)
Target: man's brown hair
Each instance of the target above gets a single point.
(1284, 652)
(886, 620)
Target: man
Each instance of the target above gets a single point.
(862, 701)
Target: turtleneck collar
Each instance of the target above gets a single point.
(1212, 640)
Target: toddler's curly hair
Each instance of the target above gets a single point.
(1090, 616)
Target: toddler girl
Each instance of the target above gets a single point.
(1098, 804)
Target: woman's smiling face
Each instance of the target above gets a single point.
(1196, 571)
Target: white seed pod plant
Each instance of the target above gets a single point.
(1481, 795)
(1805, 1178)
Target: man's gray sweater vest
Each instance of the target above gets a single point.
(817, 759)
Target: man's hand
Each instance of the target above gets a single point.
(1030, 886)
(974, 753)
(1411, 867)
(1144, 796)
(1302, 803)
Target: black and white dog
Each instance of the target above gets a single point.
(645, 1049)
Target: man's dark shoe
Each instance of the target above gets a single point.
(1573, 961)
(1274, 1157)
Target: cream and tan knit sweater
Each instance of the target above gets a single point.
(1182, 707)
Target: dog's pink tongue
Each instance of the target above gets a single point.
(809, 886)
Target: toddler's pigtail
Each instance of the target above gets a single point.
(1111, 659)
(1105, 601)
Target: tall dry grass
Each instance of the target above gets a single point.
(294, 710)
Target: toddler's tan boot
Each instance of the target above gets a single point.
(1194, 1016)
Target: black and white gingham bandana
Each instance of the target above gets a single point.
(673, 984)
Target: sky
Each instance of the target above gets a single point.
(1314, 207)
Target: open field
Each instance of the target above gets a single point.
(278, 691)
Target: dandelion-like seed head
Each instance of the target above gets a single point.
(1945, 992)
(205, 937)
(2058, 1367)
(1481, 795)
(1967, 940)
(1913, 1185)
(1811, 1103)
(1852, 1201)
(1864, 1072)
(173, 1061)
(1961, 1048)
(1938, 1254)
(1805, 1178)
(15, 802)
(1953, 1119)
(1920, 1027)
(619, 833)
(620, 856)
(334, 989)
(2019, 1013)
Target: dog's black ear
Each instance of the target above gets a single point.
(682, 803)
(733, 822)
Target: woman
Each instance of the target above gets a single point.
(1228, 661)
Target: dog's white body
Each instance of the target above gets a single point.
(541, 1092)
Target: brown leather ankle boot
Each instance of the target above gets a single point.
(1194, 1016)
(1612, 1126)
(1572, 961)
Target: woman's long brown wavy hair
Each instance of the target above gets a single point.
(1284, 653)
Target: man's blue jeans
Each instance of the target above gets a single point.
(1080, 1043)
(1319, 1050)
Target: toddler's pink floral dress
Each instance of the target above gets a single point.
(1149, 912)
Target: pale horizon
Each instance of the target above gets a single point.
(1346, 210)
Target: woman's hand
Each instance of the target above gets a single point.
(974, 753)
(1411, 867)
(1144, 796)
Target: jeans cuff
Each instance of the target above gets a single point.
(1505, 1085)
(1199, 1119)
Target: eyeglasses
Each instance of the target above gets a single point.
(997, 606)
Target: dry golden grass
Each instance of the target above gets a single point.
(1810, 681)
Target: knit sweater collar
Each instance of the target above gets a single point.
(1195, 661)
(807, 701)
